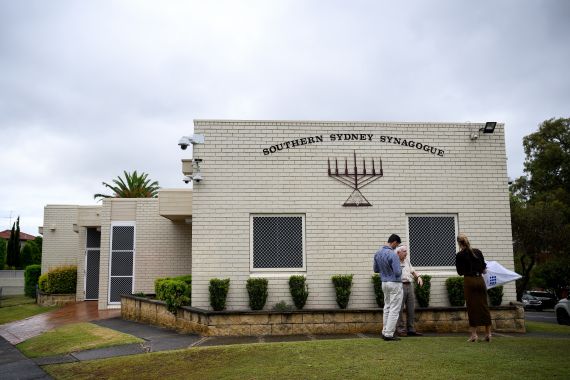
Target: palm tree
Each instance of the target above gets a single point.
(134, 186)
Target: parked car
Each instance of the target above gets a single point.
(531, 302)
(562, 310)
(548, 299)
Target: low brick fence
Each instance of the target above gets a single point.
(55, 299)
(317, 321)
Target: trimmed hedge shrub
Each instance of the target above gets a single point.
(175, 291)
(423, 292)
(455, 293)
(495, 295)
(282, 306)
(31, 277)
(158, 289)
(187, 278)
(219, 293)
(377, 281)
(342, 286)
(257, 291)
(299, 290)
(60, 280)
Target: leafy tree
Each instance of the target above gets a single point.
(39, 242)
(30, 254)
(2, 253)
(37, 251)
(540, 202)
(133, 186)
(554, 274)
(13, 254)
(547, 164)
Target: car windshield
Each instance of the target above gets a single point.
(542, 294)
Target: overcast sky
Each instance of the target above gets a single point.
(91, 88)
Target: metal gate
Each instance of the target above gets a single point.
(92, 256)
(122, 260)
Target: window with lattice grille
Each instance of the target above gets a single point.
(432, 240)
(122, 260)
(277, 242)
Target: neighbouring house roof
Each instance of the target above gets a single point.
(23, 236)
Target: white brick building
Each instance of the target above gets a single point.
(267, 206)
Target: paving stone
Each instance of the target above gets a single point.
(22, 370)
(56, 359)
(14, 365)
(227, 340)
(286, 338)
(108, 352)
(174, 342)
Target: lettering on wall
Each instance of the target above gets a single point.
(364, 137)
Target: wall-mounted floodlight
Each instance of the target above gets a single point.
(185, 141)
(488, 128)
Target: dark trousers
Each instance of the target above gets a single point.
(409, 302)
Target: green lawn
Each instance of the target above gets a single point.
(72, 338)
(540, 327)
(14, 308)
(414, 358)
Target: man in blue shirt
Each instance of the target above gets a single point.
(387, 263)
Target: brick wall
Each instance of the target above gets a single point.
(60, 241)
(162, 248)
(468, 180)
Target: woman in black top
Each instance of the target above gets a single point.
(471, 265)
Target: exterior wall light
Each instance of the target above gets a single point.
(488, 128)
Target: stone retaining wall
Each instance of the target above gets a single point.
(55, 299)
(331, 321)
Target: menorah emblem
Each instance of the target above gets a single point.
(356, 180)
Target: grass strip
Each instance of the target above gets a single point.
(15, 313)
(7, 301)
(72, 338)
(417, 358)
(542, 327)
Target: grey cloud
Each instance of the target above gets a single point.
(99, 87)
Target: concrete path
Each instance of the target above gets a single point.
(14, 365)
(19, 331)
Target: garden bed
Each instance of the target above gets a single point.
(317, 321)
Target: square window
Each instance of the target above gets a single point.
(277, 242)
(432, 240)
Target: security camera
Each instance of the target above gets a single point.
(184, 142)
(187, 140)
(187, 179)
(197, 177)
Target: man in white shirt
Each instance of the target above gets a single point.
(409, 276)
